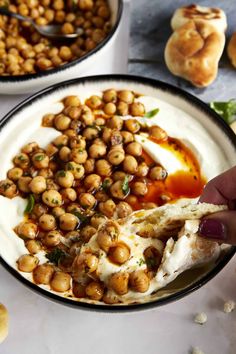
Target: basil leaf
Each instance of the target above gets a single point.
(30, 204)
(227, 110)
(125, 185)
(55, 255)
(152, 113)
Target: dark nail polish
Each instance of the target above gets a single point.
(212, 228)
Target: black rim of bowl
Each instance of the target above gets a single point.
(163, 87)
(44, 73)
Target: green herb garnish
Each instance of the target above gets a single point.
(152, 113)
(227, 110)
(61, 173)
(82, 218)
(141, 262)
(39, 157)
(70, 166)
(125, 185)
(21, 158)
(30, 204)
(55, 255)
(105, 184)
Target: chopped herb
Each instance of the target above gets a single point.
(141, 262)
(152, 113)
(125, 185)
(70, 166)
(39, 157)
(21, 158)
(55, 255)
(82, 218)
(61, 173)
(80, 150)
(105, 184)
(30, 204)
(227, 110)
(55, 201)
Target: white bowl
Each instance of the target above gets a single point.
(89, 64)
(22, 125)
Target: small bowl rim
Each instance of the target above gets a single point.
(157, 85)
(45, 73)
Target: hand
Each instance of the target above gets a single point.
(221, 226)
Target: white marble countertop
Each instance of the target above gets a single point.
(40, 326)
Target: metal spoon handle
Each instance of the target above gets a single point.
(6, 12)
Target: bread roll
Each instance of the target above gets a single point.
(231, 49)
(214, 16)
(193, 52)
(3, 323)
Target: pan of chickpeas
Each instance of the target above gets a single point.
(29, 61)
(72, 168)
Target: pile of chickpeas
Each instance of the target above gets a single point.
(25, 51)
(92, 173)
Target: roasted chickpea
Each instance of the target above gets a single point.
(15, 173)
(118, 191)
(47, 222)
(94, 102)
(97, 220)
(76, 169)
(64, 153)
(65, 53)
(85, 263)
(131, 199)
(40, 160)
(130, 164)
(132, 125)
(52, 198)
(103, 168)
(115, 122)
(38, 210)
(87, 116)
(119, 282)
(139, 188)
(51, 185)
(72, 101)
(78, 290)
(43, 273)
(139, 281)
(142, 170)
(27, 263)
(106, 134)
(87, 200)
(60, 281)
(134, 149)
(148, 205)
(127, 137)
(61, 140)
(52, 238)
(89, 165)
(23, 184)
(68, 222)
(122, 108)
(67, 28)
(79, 155)
(38, 185)
(8, 188)
(101, 196)
(30, 147)
(27, 230)
(90, 133)
(61, 122)
(48, 120)
(158, 132)
(137, 109)
(92, 182)
(110, 108)
(107, 208)
(51, 150)
(152, 257)
(21, 160)
(116, 155)
(123, 209)
(126, 96)
(97, 150)
(58, 211)
(33, 246)
(158, 173)
(119, 254)
(108, 235)
(110, 95)
(65, 178)
(87, 232)
(110, 298)
(94, 290)
(68, 194)
(119, 176)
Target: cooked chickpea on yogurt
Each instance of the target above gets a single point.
(24, 51)
(98, 169)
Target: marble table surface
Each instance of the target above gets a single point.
(40, 326)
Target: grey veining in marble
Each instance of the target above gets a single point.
(150, 30)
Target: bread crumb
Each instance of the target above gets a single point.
(229, 306)
(197, 351)
(200, 318)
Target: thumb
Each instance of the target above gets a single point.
(220, 227)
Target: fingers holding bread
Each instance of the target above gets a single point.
(3, 323)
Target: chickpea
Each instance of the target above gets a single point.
(68, 195)
(68, 222)
(51, 185)
(137, 109)
(58, 211)
(94, 290)
(97, 150)
(85, 263)
(139, 281)
(103, 168)
(64, 153)
(61, 140)
(42, 63)
(139, 188)
(110, 108)
(107, 208)
(149, 205)
(117, 190)
(142, 170)
(132, 125)
(52, 198)
(47, 222)
(38, 210)
(158, 173)
(131, 199)
(73, 101)
(87, 232)
(38, 185)
(21, 160)
(73, 112)
(74, 208)
(60, 16)
(23, 184)
(122, 108)
(51, 150)
(110, 298)
(101, 196)
(8, 188)
(27, 230)
(94, 102)
(152, 257)
(52, 238)
(126, 96)
(27, 263)
(106, 134)
(104, 12)
(92, 182)
(67, 28)
(78, 142)
(87, 200)
(65, 178)
(86, 4)
(79, 155)
(119, 282)
(116, 155)
(134, 149)
(30, 147)
(108, 235)
(40, 160)
(90, 133)
(97, 220)
(123, 209)
(119, 176)
(43, 273)
(116, 137)
(158, 132)
(61, 122)
(130, 164)
(127, 137)
(100, 121)
(76, 169)
(115, 122)
(71, 133)
(119, 254)
(89, 165)
(79, 290)
(60, 282)
(87, 116)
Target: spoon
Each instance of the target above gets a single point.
(50, 31)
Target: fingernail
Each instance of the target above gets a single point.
(212, 228)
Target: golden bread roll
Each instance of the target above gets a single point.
(193, 52)
(231, 49)
(214, 16)
(3, 323)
